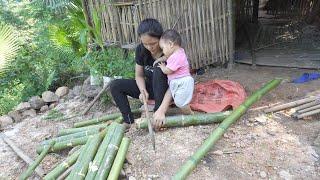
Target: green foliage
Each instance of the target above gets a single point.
(8, 46)
(110, 62)
(53, 114)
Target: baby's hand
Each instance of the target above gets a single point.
(161, 59)
(161, 65)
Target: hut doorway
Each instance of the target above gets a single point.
(282, 33)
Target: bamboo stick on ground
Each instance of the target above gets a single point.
(308, 113)
(290, 104)
(304, 106)
(64, 132)
(309, 109)
(110, 154)
(37, 161)
(59, 169)
(119, 160)
(101, 119)
(72, 136)
(67, 144)
(66, 173)
(82, 165)
(23, 156)
(189, 120)
(96, 163)
(191, 164)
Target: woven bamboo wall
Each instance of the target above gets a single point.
(205, 25)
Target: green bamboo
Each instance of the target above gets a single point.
(82, 165)
(71, 136)
(86, 128)
(67, 144)
(192, 162)
(93, 169)
(189, 120)
(102, 119)
(110, 154)
(58, 170)
(34, 165)
(119, 160)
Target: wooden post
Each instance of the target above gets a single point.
(232, 31)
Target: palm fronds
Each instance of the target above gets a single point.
(8, 45)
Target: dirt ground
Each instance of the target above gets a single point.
(257, 146)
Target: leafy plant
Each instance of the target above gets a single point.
(8, 45)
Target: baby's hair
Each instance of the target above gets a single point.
(172, 35)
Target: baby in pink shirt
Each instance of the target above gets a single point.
(181, 84)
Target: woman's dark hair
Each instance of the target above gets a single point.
(172, 35)
(151, 27)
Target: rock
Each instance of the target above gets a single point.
(49, 97)
(36, 102)
(15, 115)
(261, 119)
(285, 175)
(44, 108)
(23, 106)
(29, 113)
(62, 91)
(132, 178)
(53, 105)
(263, 174)
(218, 152)
(5, 121)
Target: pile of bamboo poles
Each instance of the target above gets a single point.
(300, 108)
(101, 157)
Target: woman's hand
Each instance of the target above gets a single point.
(158, 119)
(141, 95)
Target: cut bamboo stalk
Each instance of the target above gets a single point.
(111, 152)
(23, 156)
(308, 113)
(96, 163)
(69, 143)
(119, 160)
(191, 164)
(304, 106)
(290, 104)
(86, 128)
(66, 173)
(189, 120)
(82, 165)
(62, 167)
(36, 163)
(308, 109)
(102, 119)
(71, 136)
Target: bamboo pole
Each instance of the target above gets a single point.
(309, 109)
(66, 173)
(64, 132)
(191, 164)
(71, 136)
(111, 152)
(290, 104)
(102, 119)
(119, 160)
(82, 165)
(189, 120)
(308, 113)
(23, 156)
(36, 163)
(304, 106)
(69, 143)
(95, 99)
(62, 167)
(96, 163)
(231, 33)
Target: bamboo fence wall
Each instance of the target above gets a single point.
(206, 26)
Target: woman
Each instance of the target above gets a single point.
(149, 79)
